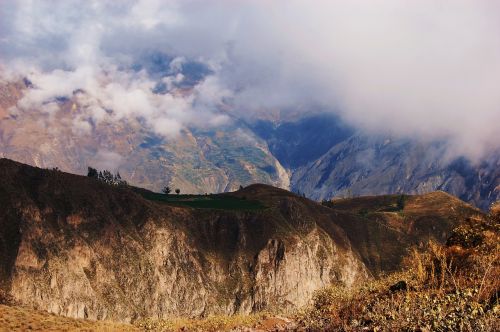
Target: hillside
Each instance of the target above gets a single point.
(372, 165)
(77, 247)
(440, 287)
(198, 160)
(384, 228)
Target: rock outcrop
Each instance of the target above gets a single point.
(77, 247)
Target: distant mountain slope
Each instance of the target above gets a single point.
(198, 161)
(328, 159)
(363, 165)
(317, 155)
(297, 143)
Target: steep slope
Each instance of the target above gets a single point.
(363, 165)
(296, 143)
(384, 228)
(77, 247)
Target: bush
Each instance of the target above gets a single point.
(453, 287)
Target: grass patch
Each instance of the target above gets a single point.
(219, 202)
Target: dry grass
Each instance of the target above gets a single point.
(260, 321)
(453, 287)
(23, 319)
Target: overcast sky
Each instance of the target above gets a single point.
(427, 69)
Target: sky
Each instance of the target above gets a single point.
(428, 70)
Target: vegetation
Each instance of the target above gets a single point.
(166, 190)
(106, 177)
(24, 319)
(452, 287)
(209, 324)
(219, 201)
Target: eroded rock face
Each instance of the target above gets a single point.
(80, 248)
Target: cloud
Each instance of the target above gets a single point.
(109, 160)
(423, 69)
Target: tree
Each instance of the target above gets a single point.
(92, 173)
(241, 187)
(166, 190)
(401, 202)
(177, 191)
(107, 177)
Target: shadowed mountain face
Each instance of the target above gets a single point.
(363, 165)
(75, 246)
(297, 143)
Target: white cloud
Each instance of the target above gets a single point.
(109, 160)
(420, 68)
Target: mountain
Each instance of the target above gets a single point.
(197, 161)
(318, 154)
(328, 159)
(363, 165)
(78, 247)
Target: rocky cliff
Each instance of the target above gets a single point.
(77, 247)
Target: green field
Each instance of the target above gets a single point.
(218, 201)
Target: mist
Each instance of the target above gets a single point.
(426, 70)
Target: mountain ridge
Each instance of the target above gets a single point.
(78, 247)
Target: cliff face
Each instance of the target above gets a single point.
(80, 248)
(77, 247)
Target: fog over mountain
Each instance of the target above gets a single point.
(420, 69)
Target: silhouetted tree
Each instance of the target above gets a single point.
(166, 190)
(401, 202)
(92, 173)
(177, 191)
(241, 187)
(108, 177)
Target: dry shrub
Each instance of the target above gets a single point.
(209, 324)
(6, 298)
(453, 287)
